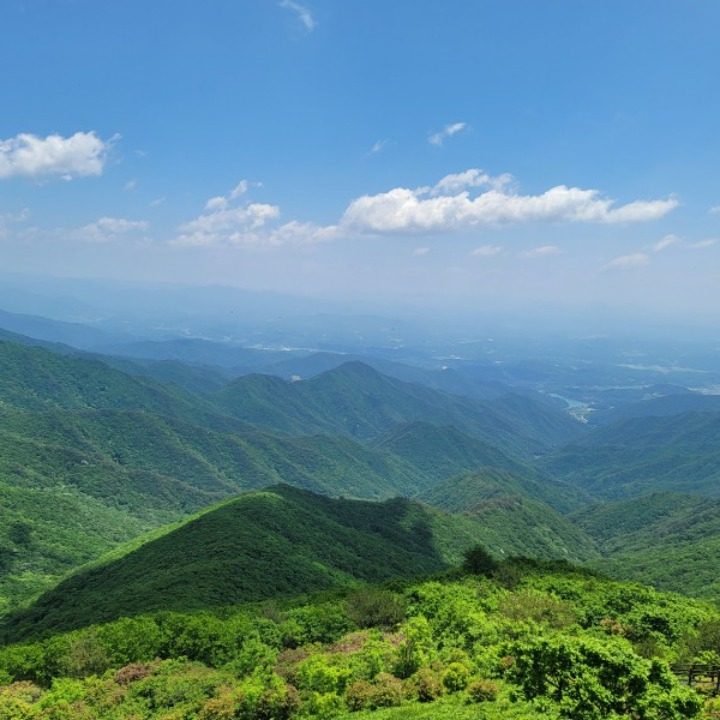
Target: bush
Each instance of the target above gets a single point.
(426, 685)
(358, 695)
(371, 607)
(131, 673)
(455, 677)
(385, 691)
(482, 690)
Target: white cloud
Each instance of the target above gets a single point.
(420, 251)
(541, 251)
(450, 205)
(666, 242)
(240, 189)
(107, 229)
(247, 225)
(715, 210)
(458, 182)
(457, 202)
(486, 251)
(378, 146)
(219, 202)
(27, 155)
(448, 131)
(157, 202)
(701, 244)
(222, 224)
(130, 186)
(303, 13)
(627, 262)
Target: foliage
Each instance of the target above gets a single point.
(562, 644)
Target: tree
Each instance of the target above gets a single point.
(479, 561)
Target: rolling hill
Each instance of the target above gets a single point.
(513, 523)
(676, 453)
(668, 540)
(281, 541)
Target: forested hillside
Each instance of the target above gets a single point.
(128, 452)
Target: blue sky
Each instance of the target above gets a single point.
(559, 151)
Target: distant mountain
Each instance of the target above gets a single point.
(197, 379)
(678, 453)
(196, 351)
(356, 400)
(281, 541)
(55, 331)
(675, 403)
(513, 523)
(444, 379)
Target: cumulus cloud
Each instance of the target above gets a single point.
(27, 155)
(715, 210)
(108, 229)
(251, 224)
(303, 14)
(448, 131)
(666, 242)
(457, 202)
(541, 251)
(486, 251)
(221, 202)
(420, 251)
(627, 262)
(451, 205)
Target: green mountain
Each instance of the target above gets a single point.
(445, 452)
(512, 522)
(35, 379)
(134, 471)
(678, 453)
(357, 401)
(275, 542)
(446, 380)
(668, 540)
(135, 453)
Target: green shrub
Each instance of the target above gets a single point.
(455, 677)
(322, 674)
(372, 607)
(482, 690)
(387, 691)
(426, 685)
(359, 694)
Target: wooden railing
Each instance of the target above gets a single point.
(698, 674)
